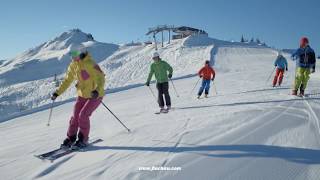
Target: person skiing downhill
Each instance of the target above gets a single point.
(306, 64)
(90, 89)
(162, 71)
(207, 74)
(282, 65)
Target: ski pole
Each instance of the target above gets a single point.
(115, 117)
(215, 88)
(50, 114)
(195, 86)
(270, 75)
(174, 88)
(152, 93)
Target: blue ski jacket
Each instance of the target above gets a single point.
(281, 62)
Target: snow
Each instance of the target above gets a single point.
(244, 130)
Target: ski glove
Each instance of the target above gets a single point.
(200, 76)
(212, 79)
(94, 94)
(170, 76)
(147, 84)
(286, 69)
(54, 96)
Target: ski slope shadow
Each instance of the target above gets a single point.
(292, 154)
(262, 90)
(242, 103)
(52, 167)
(253, 91)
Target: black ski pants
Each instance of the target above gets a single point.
(163, 89)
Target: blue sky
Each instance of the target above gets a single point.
(281, 23)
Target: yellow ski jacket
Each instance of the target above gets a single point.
(88, 75)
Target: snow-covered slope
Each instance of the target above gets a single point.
(244, 130)
(130, 65)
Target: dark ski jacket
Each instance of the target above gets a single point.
(305, 57)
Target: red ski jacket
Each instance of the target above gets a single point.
(206, 72)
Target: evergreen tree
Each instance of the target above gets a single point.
(242, 39)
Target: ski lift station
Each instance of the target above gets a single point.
(179, 32)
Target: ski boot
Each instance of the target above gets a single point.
(206, 95)
(79, 143)
(163, 110)
(301, 93)
(67, 143)
(294, 92)
(301, 90)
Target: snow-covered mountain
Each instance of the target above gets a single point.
(289, 51)
(51, 57)
(244, 130)
(25, 81)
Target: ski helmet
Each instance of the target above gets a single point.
(155, 54)
(304, 41)
(78, 51)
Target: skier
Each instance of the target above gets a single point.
(207, 73)
(306, 64)
(282, 65)
(90, 89)
(162, 71)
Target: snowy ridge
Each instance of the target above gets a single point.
(51, 58)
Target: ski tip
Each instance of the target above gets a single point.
(40, 157)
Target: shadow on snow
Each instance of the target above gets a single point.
(293, 154)
(243, 103)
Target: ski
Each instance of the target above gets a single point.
(165, 111)
(60, 152)
(204, 97)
